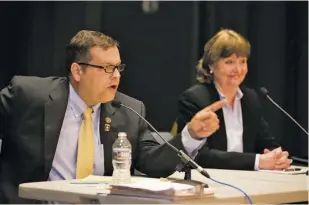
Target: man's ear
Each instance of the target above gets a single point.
(76, 71)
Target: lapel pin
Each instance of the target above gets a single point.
(107, 127)
(108, 120)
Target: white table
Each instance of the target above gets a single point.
(262, 187)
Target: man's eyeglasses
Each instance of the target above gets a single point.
(107, 69)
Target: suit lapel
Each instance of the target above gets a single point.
(54, 114)
(108, 135)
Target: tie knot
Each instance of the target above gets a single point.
(88, 112)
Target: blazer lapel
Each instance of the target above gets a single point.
(247, 118)
(54, 114)
(220, 135)
(218, 139)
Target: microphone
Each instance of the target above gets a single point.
(186, 160)
(264, 91)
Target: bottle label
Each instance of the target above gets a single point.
(121, 154)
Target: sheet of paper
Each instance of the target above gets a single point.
(289, 172)
(104, 179)
(143, 183)
(157, 186)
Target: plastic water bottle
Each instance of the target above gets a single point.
(122, 159)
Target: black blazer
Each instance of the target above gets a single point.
(31, 114)
(214, 152)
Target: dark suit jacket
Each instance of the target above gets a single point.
(214, 152)
(31, 114)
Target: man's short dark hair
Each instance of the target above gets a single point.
(79, 46)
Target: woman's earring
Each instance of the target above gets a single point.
(211, 70)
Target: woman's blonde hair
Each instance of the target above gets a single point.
(223, 44)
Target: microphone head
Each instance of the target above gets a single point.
(264, 91)
(116, 103)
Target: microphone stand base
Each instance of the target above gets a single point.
(182, 167)
(186, 169)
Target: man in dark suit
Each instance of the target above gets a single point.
(242, 140)
(42, 121)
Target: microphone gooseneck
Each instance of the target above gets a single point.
(264, 91)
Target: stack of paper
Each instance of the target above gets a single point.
(158, 189)
(156, 186)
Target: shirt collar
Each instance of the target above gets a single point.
(77, 104)
(239, 94)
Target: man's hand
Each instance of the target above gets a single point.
(206, 122)
(282, 161)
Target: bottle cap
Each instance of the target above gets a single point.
(122, 134)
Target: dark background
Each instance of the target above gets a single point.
(161, 50)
